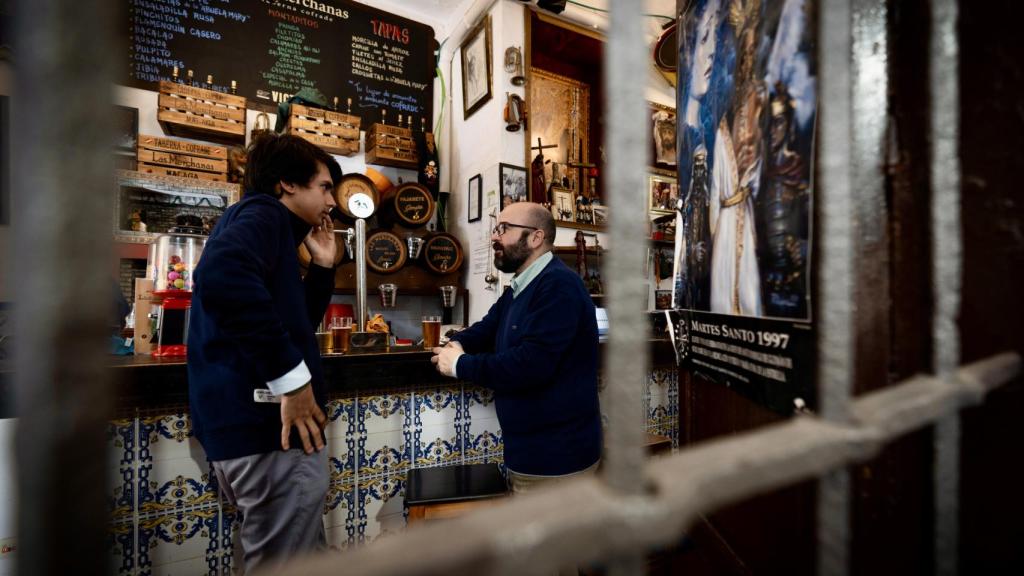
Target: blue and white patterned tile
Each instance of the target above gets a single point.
(341, 439)
(168, 437)
(382, 412)
(438, 445)
(171, 485)
(436, 405)
(186, 542)
(230, 523)
(483, 439)
(121, 548)
(121, 468)
(381, 504)
(340, 516)
(383, 454)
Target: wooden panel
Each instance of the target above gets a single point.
(992, 153)
(180, 123)
(202, 94)
(201, 108)
(182, 173)
(330, 144)
(324, 128)
(185, 161)
(182, 147)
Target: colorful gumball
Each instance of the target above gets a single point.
(179, 283)
(172, 276)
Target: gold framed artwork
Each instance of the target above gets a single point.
(476, 67)
(563, 204)
(559, 131)
(662, 191)
(663, 136)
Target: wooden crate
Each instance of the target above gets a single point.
(335, 132)
(157, 155)
(203, 114)
(391, 146)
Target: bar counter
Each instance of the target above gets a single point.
(145, 381)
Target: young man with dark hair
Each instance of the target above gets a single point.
(256, 389)
(537, 349)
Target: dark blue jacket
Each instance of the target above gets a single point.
(538, 352)
(252, 321)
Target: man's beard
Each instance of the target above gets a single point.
(512, 257)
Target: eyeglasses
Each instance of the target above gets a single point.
(503, 227)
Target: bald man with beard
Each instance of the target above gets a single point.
(537, 349)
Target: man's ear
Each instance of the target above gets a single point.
(284, 187)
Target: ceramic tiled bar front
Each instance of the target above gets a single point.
(167, 516)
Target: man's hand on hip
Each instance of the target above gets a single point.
(299, 409)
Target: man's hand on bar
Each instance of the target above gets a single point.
(445, 358)
(299, 409)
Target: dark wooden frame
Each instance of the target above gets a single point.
(471, 217)
(484, 26)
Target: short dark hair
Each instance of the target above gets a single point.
(275, 158)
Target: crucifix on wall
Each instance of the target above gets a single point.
(538, 185)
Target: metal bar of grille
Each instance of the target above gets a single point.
(836, 293)
(625, 364)
(62, 180)
(946, 268)
(584, 521)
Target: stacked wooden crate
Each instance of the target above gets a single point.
(194, 112)
(169, 157)
(335, 132)
(391, 146)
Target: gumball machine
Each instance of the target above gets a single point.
(174, 257)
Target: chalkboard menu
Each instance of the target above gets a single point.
(274, 48)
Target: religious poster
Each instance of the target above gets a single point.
(747, 110)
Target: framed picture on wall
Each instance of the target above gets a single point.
(126, 119)
(662, 299)
(476, 185)
(663, 192)
(476, 67)
(513, 184)
(663, 136)
(562, 204)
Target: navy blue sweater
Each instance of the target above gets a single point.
(252, 321)
(538, 352)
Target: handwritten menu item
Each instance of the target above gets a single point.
(361, 58)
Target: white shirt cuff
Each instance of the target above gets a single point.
(295, 378)
(455, 365)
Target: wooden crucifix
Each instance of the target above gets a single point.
(538, 187)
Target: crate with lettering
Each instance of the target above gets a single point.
(170, 157)
(193, 112)
(391, 146)
(335, 132)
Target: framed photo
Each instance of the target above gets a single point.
(476, 67)
(476, 185)
(563, 205)
(662, 192)
(663, 136)
(662, 299)
(513, 184)
(127, 121)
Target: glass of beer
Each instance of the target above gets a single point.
(341, 333)
(431, 331)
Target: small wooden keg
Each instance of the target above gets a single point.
(442, 253)
(409, 205)
(357, 197)
(385, 252)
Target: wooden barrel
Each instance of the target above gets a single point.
(442, 253)
(357, 197)
(304, 256)
(385, 252)
(409, 205)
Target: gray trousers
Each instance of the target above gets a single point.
(280, 497)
